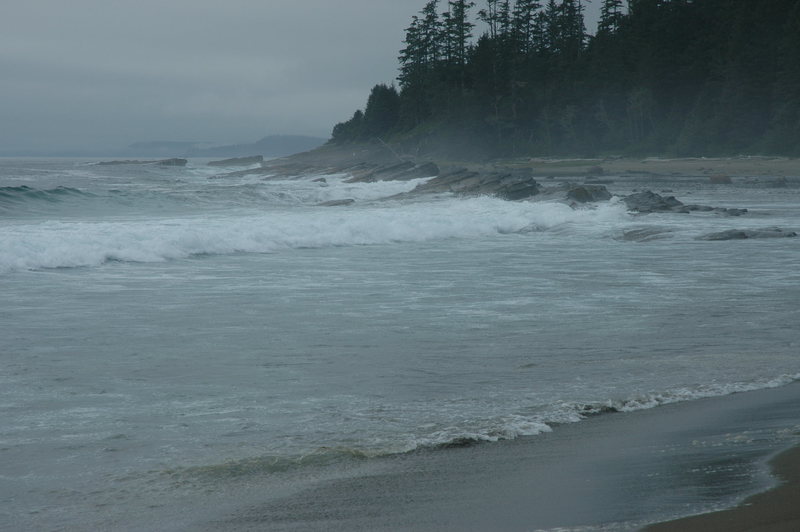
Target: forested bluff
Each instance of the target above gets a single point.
(658, 77)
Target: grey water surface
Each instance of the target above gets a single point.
(169, 335)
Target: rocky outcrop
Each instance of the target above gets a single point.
(163, 162)
(337, 203)
(172, 162)
(370, 174)
(588, 193)
(239, 161)
(646, 234)
(126, 161)
(463, 182)
(742, 234)
(649, 202)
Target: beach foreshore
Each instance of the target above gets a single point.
(776, 510)
(619, 471)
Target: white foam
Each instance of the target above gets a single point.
(509, 427)
(704, 391)
(55, 244)
(335, 187)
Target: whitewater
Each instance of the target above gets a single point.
(166, 330)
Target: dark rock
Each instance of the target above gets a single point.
(404, 171)
(515, 187)
(463, 182)
(742, 234)
(588, 193)
(319, 180)
(648, 201)
(733, 212)
(459, 443)
(698, 208)
(172, 162)
(164, 162)
(395, 168)
(645, 234)
(445, 182)
(239, 161)
(422, 170)
(127, 161)
(336, 203)
(380, 173)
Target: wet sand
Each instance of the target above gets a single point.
(620, 471)
(776, 510)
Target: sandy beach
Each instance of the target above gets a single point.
(776, 510)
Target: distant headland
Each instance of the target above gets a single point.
(660, 77)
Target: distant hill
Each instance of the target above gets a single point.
(269, 146)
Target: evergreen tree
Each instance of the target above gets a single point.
(489, 15)
(686, 77)
(458, 29)
(382, 112)
(348, 131)
(610, 16)
(431, 33)
(412, 57)
(524, 25)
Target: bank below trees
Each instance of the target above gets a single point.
(677, 77)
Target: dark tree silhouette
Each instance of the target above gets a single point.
(684, 77)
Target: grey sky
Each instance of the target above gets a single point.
(105, 73)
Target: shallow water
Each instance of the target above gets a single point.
(163, 323)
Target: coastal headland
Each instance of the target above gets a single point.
(574, 181)
(375, 161)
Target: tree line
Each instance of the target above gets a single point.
(679, 77)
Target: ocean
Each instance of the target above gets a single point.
(176, 342)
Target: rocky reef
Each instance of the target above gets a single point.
(163, 162)
(239, 161)
(743, 234)
(648, 202)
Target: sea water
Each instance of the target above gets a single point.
(164, 326)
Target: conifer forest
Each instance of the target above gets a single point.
(503, 78)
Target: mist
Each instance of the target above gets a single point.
(96, 76)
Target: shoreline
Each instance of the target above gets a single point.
(775, 510)
(622, 471)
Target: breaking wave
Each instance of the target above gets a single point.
(64, 244)
(14, 195)
(481, 431)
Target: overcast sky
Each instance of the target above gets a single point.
(102, 74)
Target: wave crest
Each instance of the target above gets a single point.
(80, 244)
(482, 431)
